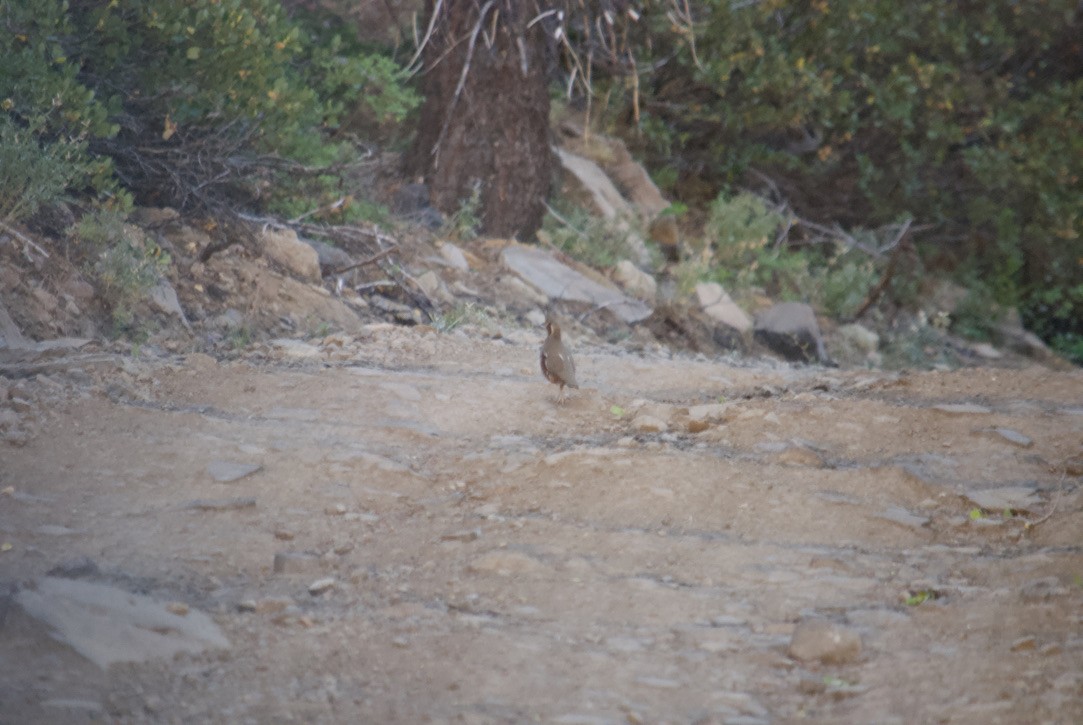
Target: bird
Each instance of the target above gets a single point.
(556, 362)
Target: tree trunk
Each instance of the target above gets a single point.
(485, 121)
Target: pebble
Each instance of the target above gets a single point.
(645, 423)
(1025, 644)
(295, 562)
(221, 504)
(228, 471)
(321, 585)
(825, 642)
(962, 408)
(504, 563)
(1014, 437)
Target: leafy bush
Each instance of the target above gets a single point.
(123, 261)
(186, 98)
(965, 116)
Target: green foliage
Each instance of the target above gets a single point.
(176, 94)
(589, 239)
(968, 117)
(465, 222)
(845, 285)
(124, 263)
(31, 176)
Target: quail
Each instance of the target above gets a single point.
(556, 362)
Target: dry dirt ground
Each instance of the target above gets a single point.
(499, 558)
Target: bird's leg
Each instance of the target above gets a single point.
(560, 398)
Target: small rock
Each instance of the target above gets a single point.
(962, 408)
(331, 258)
(284, 535)
(432, 287)
(504, 563)
(1014, 437)
(799, 456)
(635, 281)
(902, 517)
(1044, 589)
(717, 304)
(296, 349)
(200, 362)
(861, 337)
(336, 510)
(164, 298)
(791, 330)
(301, 260)
(221, 504)
(986, 351)
(178, 608)
(698, 426)
(454, 257)
(825, 642)
(228, 471)
(295, 562)
(107, 625)
(645, 423)
(1016, 498)
(321, 585)
(710, 412)
(1025, 644)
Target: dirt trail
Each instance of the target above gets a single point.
(498, 558)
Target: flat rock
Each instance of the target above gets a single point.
(646, 423)
(229, 471)
(164, 298)
(1013, 436)
(791, 330)
(826, 642)
(962, 408)
(861, 337)
(504, 563)
(902, 517)
(298, 258)
(297, 349)
(221, 504)
(557, 281)
(454, 257)
(108, 625)
(1017, 498)
(295, 562)
(635, 281)
(717, 304)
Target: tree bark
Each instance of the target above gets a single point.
(485, 120)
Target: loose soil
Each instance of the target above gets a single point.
(500, 558)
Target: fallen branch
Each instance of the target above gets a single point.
(27, 241)
(365, 262)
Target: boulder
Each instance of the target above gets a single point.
(790, 329)
(635, 281)
(557, 281)
(716, 304)
(331, 257)
(300, 259)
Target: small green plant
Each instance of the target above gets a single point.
(976, 514)
(123, 261)
(465, 222)
(843, 286)
(915, 599)
(461, 314)
(617, 411)
(239, 337)
(31, 175)
(589, 239)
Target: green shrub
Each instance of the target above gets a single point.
(123, 262)
(966, 116)
(184, 98)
